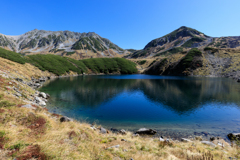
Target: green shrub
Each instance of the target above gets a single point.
(190, 42)
(60, 65)
(13, 56)
(18, 146)
(142, 62)
(70, 53)
(210, 49)
(152, 63)
(170, 51)
(190, 55)
(218, 44)
(52, 63)
(6, 104)
(110, 65)
(177, 42)
(2, 133)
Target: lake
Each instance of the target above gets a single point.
(174, 106)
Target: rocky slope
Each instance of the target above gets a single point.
(187, 51)
(206, 62)
(65, 43)
(183, 39)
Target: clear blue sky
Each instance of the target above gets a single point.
(127, 23)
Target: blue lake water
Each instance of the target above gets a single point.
(174, 106)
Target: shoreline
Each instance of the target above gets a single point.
(199, 132)
(120, 144)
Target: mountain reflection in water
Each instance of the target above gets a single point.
(179, 94)
(175, 106)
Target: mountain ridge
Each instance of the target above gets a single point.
(183, 39)
(62, 43)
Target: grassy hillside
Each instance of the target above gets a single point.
(61, 65)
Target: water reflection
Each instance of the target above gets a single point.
(179, 94)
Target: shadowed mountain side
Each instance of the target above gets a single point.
(182, 96)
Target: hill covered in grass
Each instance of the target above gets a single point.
(61, 65)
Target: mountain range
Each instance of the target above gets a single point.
(185, 51)
(66, 43)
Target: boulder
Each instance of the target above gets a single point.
(234, 136)
(208, 143)
(37, 84)
(43, 95)
(103, 130)
(212, 138)
(114, 130)
(38, 99)
(28, 106)
(116, 146)
(8, 87)
(18, 94)
(48, 96)
(42, 103)
(185, 140)
(199, 138)
(42, 80)
(146, 131)
(135, 135)
(19, 79)
(161, 139)
(122, 131)
(65, 119)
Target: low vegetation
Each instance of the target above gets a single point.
(141, 62)
(190, 55)
(190, 42)
(110, 65)
(61, 65)
(13, 56)
(170, 51)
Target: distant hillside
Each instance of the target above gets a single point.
(182, 40)
(64, 43)
(62, 65)
(222, 62)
